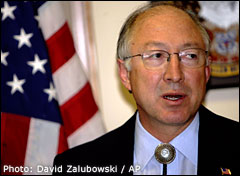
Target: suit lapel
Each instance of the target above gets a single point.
(125, 144)
(208, 148)
(204, 144)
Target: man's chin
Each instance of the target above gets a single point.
(175, 118)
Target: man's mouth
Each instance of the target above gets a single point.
(174, 97)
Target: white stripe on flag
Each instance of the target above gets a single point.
(51, 18)
(92, 129)
(69, 79)
(84, 41)
(42, 144)
(80, 32)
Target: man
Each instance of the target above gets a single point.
(163, 60)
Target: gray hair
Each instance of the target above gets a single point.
(123, 44)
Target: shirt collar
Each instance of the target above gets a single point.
(145, 144)
(187, 141)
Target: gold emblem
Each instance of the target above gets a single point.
(165, 153)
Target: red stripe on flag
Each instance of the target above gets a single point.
(79, 109)
(14, 135)
(62, 144)
(60, 47)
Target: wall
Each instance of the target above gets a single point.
(116, 104)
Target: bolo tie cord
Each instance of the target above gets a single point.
(164, 169)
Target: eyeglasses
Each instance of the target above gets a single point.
(191, 58)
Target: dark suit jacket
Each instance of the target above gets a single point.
(218, 147)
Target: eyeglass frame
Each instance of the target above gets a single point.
(169, 55)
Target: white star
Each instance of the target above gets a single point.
(7, 11)
(3, 58)
(37, 64)
(51, 93)
(23, 38)
(16, 84)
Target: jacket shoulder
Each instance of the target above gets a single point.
(219, 124)
(218, 143)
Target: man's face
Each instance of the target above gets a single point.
(157, 91)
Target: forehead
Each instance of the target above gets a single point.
(161, 10)
(166, 25)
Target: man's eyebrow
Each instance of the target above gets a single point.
(190, 45)
(155, 44)
(165, 46)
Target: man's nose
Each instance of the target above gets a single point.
(173, 72)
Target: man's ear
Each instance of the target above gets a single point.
(208, 69)
(124, 74)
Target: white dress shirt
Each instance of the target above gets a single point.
(186, 146)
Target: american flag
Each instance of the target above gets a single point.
(226, 171)
(47, 105)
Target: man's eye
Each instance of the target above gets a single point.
(190, 56)
(156, 56)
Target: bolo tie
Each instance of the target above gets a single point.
(165, 154)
